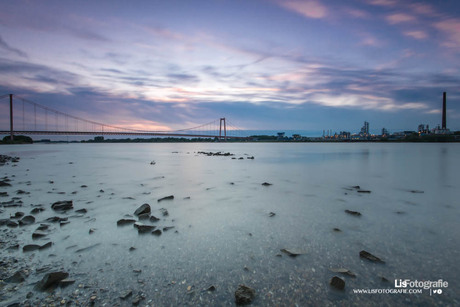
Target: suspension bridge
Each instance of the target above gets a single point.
(27, 117)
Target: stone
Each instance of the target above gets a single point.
(167, 228)
(16, 278)
(343, 271)
(363, 191)
(366, 255)
(27, 220)
(12, 224)
(211, 288)
(337, 230)
(30, 247)
(292, 252)
(62, 205)
(56, 219)
(145, 208)
(355, 213)
(82, 211)
(37, 234)
(18, 215)
(66, 282)
(37, 210)
(124, 222)
(142, 228)
(91, 230)
(4, 184)
(164, 212)
(337, 283)
(144, 216)
(153, 219)
(266, 184)
(170, 197)
(244, 295)
(45, 246)
(126, 294)
(271, 214)
(156, 232)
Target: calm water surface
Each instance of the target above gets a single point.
(223, 234)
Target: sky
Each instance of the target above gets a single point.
(263, 64)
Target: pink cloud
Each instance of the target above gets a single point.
(451, 27)
(383, 2)
(417, 34)
(308, 8)
(423, 9)
(399, 18)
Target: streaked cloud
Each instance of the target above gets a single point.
(307, 8)
(416, 34)
(7, 48)
(397, 18)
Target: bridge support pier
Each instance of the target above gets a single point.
(222, 121)
(11, 118)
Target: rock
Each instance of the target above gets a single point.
(164, 212)
(156, 232)
(66, 282)
(244, 295)
(38, 234)
(3, 194)
(170, 197)
(153, 218)
(91, 230)
(4, 184)
(144, 216)
(87, 248)
(250, 158)
(292, 252)
(56, 219)
(51, 280)
(363, 191)
(30, 247)
(126, 294)
(211, 288)
(369, 256)
(18, 215)
(337, 230)
(19, 192)
(16, 278)
(344, 271)
(355, 213)
(142, 228)
(132, 248)
(271, 214)
(45, 246)
(124, 222)
(266, 184)
(145, 208)
(357, 187)
(417, 191)
(27, 220)
(383, 279)
(63, 223)
(42, 227)
(152, 163)
(82, 211)
(12, 224)
(83, 186)
(62, 205)
(37, 210)
(167, 228)
(337, 283)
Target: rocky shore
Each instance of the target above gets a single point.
(71, 252)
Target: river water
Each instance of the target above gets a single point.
(224, 234)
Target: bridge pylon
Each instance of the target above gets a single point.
(222, 123)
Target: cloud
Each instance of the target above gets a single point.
(307, 8)
(416, 34)
(399, 18)
(383, 2)
(9, 49)
(451, 28)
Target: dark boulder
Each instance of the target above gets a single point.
(124, 222)
(38, 234)
(145, 208)
(355, 213)
(37, 210)
(170, 197)
(337, 283)
(156, 232)
(27, 220)
(266, 184)
(30, 247)
(153, 218)
(50, 280)
(366, 255)
(62, 205)
(144, 216)
(16, 278)
(244, 295)
(82, 211)
(141, 228)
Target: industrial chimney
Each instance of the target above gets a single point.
(444, 111)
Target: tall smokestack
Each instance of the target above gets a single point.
(444, 111)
